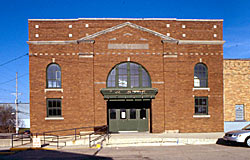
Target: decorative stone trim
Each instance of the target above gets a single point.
(157, 82)
(54, 118)
(86, 56)
(201, 116)
(53, 89)
(170, 56)
(200, 42)
(194, 89)
(128, 46)
(100, 82)
(123, 25)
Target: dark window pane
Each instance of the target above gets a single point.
(59, 112)
(199, 101)
(50, 103)
(54, 103)
(204, 101)
(201, 105)
(54, 107)
(196, 102)
(50, 112)
(54, 112)
(132, 113)
(143, 113)
(112, 114)
(58, 103)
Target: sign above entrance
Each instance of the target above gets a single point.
(121, 93)
(128, 46)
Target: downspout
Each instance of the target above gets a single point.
(164, 86)
(93, 80)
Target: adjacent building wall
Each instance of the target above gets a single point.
(236, 91)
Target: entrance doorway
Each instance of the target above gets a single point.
(128, 115)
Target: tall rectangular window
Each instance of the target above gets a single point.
(201, 105)
(54, 107)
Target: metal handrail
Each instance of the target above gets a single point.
(22, 138)
(48, 133)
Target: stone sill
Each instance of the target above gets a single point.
(201, 116)
(53, 89)
(201, 89)
(54, 118)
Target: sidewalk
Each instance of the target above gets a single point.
(162, 139)
(146, 139)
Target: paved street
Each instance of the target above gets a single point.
(185, 152)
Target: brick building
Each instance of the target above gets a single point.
(236, 93)
(149, 74)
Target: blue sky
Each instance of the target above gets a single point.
(14, 17)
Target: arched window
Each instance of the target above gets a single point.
(128, 75)
(200, 76)
(53, 76)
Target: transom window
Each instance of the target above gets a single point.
(128, 75)
(200, 76)
(54, 108)
(53, 76)
(201, 105)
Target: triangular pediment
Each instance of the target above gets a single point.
(92, 36)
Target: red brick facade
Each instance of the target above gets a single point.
(169, 49)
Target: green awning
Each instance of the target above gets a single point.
(129, 93)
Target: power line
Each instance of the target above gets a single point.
(5, 90)
(14, 79)
(13, 60)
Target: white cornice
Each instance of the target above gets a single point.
(92, 41)
(199, 42)
(204, 20)
(52, 42)
(53, 19)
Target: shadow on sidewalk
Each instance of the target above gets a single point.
(221, 141)
(49, 154)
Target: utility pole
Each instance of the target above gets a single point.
(16, 101)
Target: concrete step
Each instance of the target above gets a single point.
(120, 140)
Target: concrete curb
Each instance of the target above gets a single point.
(30, 148)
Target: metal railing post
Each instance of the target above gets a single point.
(43, 138)
(30, 137)
(75, 134)
(89, 140)
(57, 141)
(22, 138)
(12, 141)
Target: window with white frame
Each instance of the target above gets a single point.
(201, 105)
(200, 76)
(53, 76)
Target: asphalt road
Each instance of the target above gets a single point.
(185, 152)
